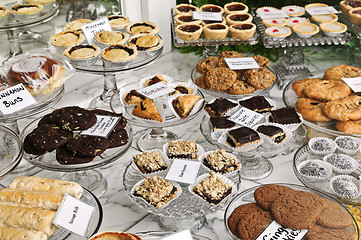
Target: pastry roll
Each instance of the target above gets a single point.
(20, 234)
(38, 184)
(26, 198)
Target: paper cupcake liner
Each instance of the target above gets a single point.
(194, 110)
(325, 165)
(340, 170)
(178, 193)
(201, 178)
(27, 17)
(267, 141)
(346, 151)
(291, 127)
(186, 84)
(158, 172)
(347, 177)
(124, 91)
(321, 153)
(111, 65)
(199, 147)
(160, 109)
(142, 81)
(231, 111)
(204, 155)
(248, 147)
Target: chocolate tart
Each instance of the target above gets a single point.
(4, 14)
(206, 22)
(305, 30)
(275, 22)
(67, 39)
(243, 31)
(355, 16)
(189, 32)
(82, 55)
(107, 38)
(215, 31)
(347, 5)
(295, 20)
(185, 9)
(186, 19)
(294, 11)
(235, 8)
(118, 54)
(77, 24)
(239, 18)
(333, 28)
(211, 8)
(118, 21)
(23, 12)
(143, 27)
(278, 33)
(145, 42)
(325, 18)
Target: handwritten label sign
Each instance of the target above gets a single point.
(321, 10)
(15, 98)
(156, 90)
(91, 29)
(10, 3)
(276, 231)
(184, 171)
(207, 16)
(353, 83)
(73, 215)
(273, 13)
(103, 126)
(241, 63)
(184, 235)
(246, 117)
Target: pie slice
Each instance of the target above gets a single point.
(148, 110)
(184, 104)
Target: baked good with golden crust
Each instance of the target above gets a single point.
(200, 81)
(220, 79)
(215, 31)
(227, 54)
(344, 109)
(205, 65)
(355, 15)
(242, 31)
(189, 32)
(311, 109)
(260, 78)
(241, 87)
(318, 232)
(148, 110)
(184, 104)
(327, 90)
(349, 127)
(342, 71)
(300, 85)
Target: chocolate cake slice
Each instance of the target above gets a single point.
(242, 136)
(258, 104)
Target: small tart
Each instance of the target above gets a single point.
(206, 22)
(67, 39)
(265, 9)
(118, 21)
(315, 5)
(76, 24)
(235, 8)
(239, 18)
(274, 22)
(146, 42)
(295, 20)
(119, 53)
(81, 52)
(25, 9)
(189, 31)
(215, 31)
(243, 31)
(4, 12)
(355, 15)
(143, 27)
(212, 8)
(347, 5)
(305, 30)
(333, 28)
(185, 9)
(111, 37)
(294, 11)
(325, 18)
(278, 33)
(186, 19)
(39, 1)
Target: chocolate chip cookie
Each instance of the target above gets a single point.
(220, 79)
(66, 157)
(122, 121)
(261, 78)
(88, 146)
(118, 138)
(311, 109)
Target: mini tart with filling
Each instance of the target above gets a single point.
(265, 9)
(143, 27)
(347, 5)
(206, 22)
(355, 15)
(76, 24)
(333, 28)
(325, 18)
(67, 39)
(239, 18)
(118, 21)
(4, 12)
(294, 11)
(235, 8)
(25, 9)
(212, 8)
(274, 22)
(278, 32)
(111, 37)
(215, 31)
(119, 53)
(243, 31)
(40, 1)
(146, 42)
(295, 20)
(82, 52)
(305, 30)
(189, 32)
(315, 5)
(185, 9)
(186, 19)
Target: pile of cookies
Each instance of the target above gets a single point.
(330, 99)
(324, 218)
(217, 76)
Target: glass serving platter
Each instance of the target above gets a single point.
(247, 197)
(158, 235)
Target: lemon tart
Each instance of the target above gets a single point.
(305, 30)
(325, 18)
(295, 20)
(294, 11)
(274, 22)
(333, 28)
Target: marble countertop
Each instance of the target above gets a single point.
(120, 213)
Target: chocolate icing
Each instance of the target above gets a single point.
(257, 104)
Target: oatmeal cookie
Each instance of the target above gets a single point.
(261, 78)
(311, 109)
(220, 79)
(227, 54)
(262, 61)
(344, 109)
(241, 87)
(206, 64)
(342, 71)
(327, 90)
(200, 81)
(349, 127)
(299, 85)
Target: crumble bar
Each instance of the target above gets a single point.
(149, 162)
(183, 149)
(221, 162)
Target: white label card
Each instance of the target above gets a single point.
(10, 3)
(184, 235)
(15, 98)
(353, 83)
(184, 171)
(246, 117)
(207, 16)
(241, 63)
(103, 126)
(156, 90)
(73, 215)
(273, 13)
(321, 10)
(91, 29)
(276, 231)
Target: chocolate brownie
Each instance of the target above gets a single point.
(122, 120)
(285, 115)
(118, 138)
(267, 194)
(88, 146)
(221, 123)
(253, 224)
(66, 157)
(322, 233)
(219, 107)
(257, 103)
(334, 216)
(73, 118)
(242, 136)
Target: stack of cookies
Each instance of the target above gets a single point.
(324, 218)
(330, 99)
(217, 76)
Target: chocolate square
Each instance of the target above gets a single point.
(258, 104)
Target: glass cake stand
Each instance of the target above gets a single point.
(157, 136)
(81, 173)
(255, 163)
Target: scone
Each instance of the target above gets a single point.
(147, 110)
(184, 104)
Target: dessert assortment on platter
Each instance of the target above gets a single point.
(352, 9)
(294, 207)
(214, 76)
(327, 103)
